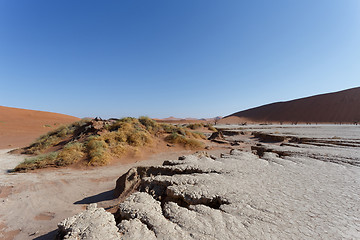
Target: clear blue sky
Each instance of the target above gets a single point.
(187, 58)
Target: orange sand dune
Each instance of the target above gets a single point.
(337, 107)
(19, 127)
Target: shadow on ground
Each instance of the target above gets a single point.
(104, 196)
(48, 236)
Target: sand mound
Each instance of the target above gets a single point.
(98, 142)
(337, 107)
(19, 127)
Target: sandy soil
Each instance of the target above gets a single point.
(20, 127)
(32, 204)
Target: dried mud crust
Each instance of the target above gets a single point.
(336, 150)
(238, 196)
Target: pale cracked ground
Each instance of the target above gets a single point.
(242, 196)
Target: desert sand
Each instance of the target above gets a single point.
(304, 185)
(33, 203)
(284, 182)
(337, 107)
(20, 127)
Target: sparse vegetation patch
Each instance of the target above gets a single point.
(211, 127)
(176, 138)
(97, 142)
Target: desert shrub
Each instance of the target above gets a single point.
(181, 131)
(138, 138)
(115, 126)
(125, 134)
(42, 143)
(53, 137)
(128, 120)
(72, 153)
(176, 138)
(97, 151)
(133, 134)
(114, 138)
(37, 162)
(168, 128)
(150, 125)
(119, 149)
(211, 127)
(188, 134)
(173, 138)
(196, 135)
(63, 131)
(193, 143)
(122, 123)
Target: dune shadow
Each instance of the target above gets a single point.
(47, 236)
(104, 196)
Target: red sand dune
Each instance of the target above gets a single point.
(337, 107)
(19, 127)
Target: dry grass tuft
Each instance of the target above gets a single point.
(176, 138)
(211, 127)
(119, 149)
(150, 125)
(97, 151)
(40, 161)
(72, 153)
(53, 137)
(196, 135)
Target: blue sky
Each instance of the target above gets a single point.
(189, 58)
